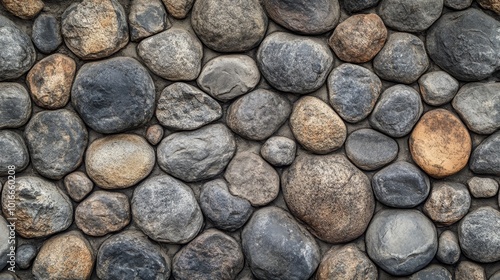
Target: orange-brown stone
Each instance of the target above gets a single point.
(493, 5)
(25, 9)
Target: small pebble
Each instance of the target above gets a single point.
(46, 33)
(154, 134)
(147, 18)
(438, 87)
(15, 105)
(448, 203)
(482, 187)
(78, 185)
(25, 255)
(279, 150)
(493, 5)
(449, 249)
(369, 149)
(469, 271)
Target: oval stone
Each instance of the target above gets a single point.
(447, 203)
(25, 9)
(15, 105)
(449, 249)
(5, 246)
(478, 235)
(485, 159)
(347, 262)
(46, 33)
(437, 87)
(369, 149)
(14, 152)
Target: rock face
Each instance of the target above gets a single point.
(449, 249)
(295, 64)
(15, 105)
(369, 149)
(447, 203)
(14, 152)
(46, 33)
(178, 8)
(478, 236)
(440, 144)
(78, 185)
(279, 150)
(113, 95)
(263, 251)
(228, 25)
(95, 29)
(482, 187)
(25, 9)
(346, 205)
(147, 18)
(4, 238)
(411, 16)
(347, 262)
(485, 159)
(438, 87)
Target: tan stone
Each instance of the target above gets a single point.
(25, 9)
(493, 5)
(440, 144)
(347, 262)
(154, 134)
(448, 203)
(178, 8)
(469, 271)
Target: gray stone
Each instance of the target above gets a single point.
(495, 276)
(114, 95)
(485, 159)
(258, 114)
(469, 271)
(401, 242)
(478, 235)
(410, 16)
(8, 276)
(166, 210)
(174, 54)
(449, 249)
(154, 134)
(437, 88)
(353, 6)
(458, 4)
(279, 150)
(295, 64)
(46, 33)
(369, 149)
(4, 244)
(447, 203)
(482, 187)
(15, 105)
(397, 111)
(146, 18)
(402, 59)
(14, 153)
(25, 255)
(353, 91)
(78, 185)
(197, 155)
(178, 8)
(432, 272)
(346, 262)
(274, 256)
(56, 140)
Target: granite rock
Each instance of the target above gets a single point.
(482, 187)
(46, 33)
(78, 185)
(447, 203)
(469, 271)
(25, 254)
(458, 4)
(147, 18)
(432, 272)
(347, 262)
(4, 238)
(352, 6)
(154, 134)
(493, 5)
(178, 8)
(478, 235)
(25, 9)
(279, 151)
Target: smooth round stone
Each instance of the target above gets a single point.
(493, 5)
(369, 149)
(147, 18)
(178, 8)
(14, 152)
(347, 262)
(432, 272)
(25, 9)
(78, 185)
(184, 107)
(95, 29)
(64, 256)
(197, 155)
(114, 95)
(229, 76)
(131, 255)
(469, 271)
(25, 255)
(226, 211)
(166, 210)
(57, 141)
(478, 104)
(482, 187)
(485, 159)
(447, 203)
(359, 38)
(410, 16)
(119, 161)
(46, 33)
(449, 249)
(212, 255)
(437, 88)
(15, 105)
(353, 91)
(50, 81)
(4, 238)
(352, 6)
(440, 144)
(102, 213)
(316, 126)
(279, 150)
(264, 251)
(397, 111)
(304, 16)
(469, 32)
(229, 25)
(478, 235)
(258, 114)
(458, 4)
(178, 58)
(401, 242)
(154, 134)
(343, 190)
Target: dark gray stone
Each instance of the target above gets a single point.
(478, 235)
(458, 4)
(25, 255)
(438, 87)
(432, 272)
(482, 187)
(271, 240)
(14, 152)
(485, 159)
(46, 33)
(78, 185)
(113, 95)
(4, 242)
(279, 150)
(352, 6)
(146, 18)
(410, 16)
(448, 202)
(369, 149)
(15, 105)
(449, 249)
(294, 63)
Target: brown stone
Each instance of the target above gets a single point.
(178, 8)
(316, 126)
(50, 81)
(448, 203)
(347, 262)
(469, 271)
(359, 38)
(78, 185)
(493, 5)
(440, 144)
(154, 134)
(25, 9)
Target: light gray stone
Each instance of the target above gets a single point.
(438, 87)
(478, 235)
(449, 249)
(279, 150)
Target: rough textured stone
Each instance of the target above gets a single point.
(437, 88)
(46, 33)
(229, 76)
(14, 152)
(229, 25)
(57, 141)
(449, 249)
(178, 8)
(154, 134)
(78, 185)
(197, 155)
(493, 5)
(279, 150)
(447, 203)
(352, 6)
(369, 149)
(166, 210)
(295, 64)
(212, 255)
(353, 91)
(401, 242)
(458, 4)
(440, 144)
(330, 195)
(25, 9)
(4, 238)
(114, 95)
(15, 105)
(485, 159)
(347, 262)
(478, 235)
(50, 81)
(432, 272)
(119, 161)
(146, 18)
(274, 256)
(174, 54)
(25, 255)
(482, 187)
(410, 16)
(469, 271)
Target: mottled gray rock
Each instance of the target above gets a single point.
(485, 159)
(178, 8)
(347, 262)
(46, 33)
(495, 276)
(432, 272)
(448, 202)
(25, 255)
(478, 235)
(410, 16)
(274, 256)
(482, 187)
(146, 18)
(295, 64)
(154, 134)
(469, 271)
(15, 105)
(369, 149)
(4, 244)
(458, 4)
(8, 276)
(352, 6)
(437, 88)
(78, 185)
(279, 150)
(14, 152)
(449, 249)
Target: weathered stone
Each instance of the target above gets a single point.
(353, 6)
(449, 249)
(8, 276)
(15, 105)
(469, 271)
(458, 4)
(146, 18)
(482, 187)
(178, 8)
(14, 153)
(432, 272)
(493, 5)
(25, 9)
(447, 203)
(347, 262)
(25, 255)
(78, 185)
(410, 16)
(478, 235)
(4, 244)
(46, 33)
(485, 159)
(369, 149)
(154, 134)
(437, 88)
(279, 150)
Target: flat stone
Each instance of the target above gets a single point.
(4, 238)
(485, 159)
(15, 105)
(14, 152)
(154, 134)
(432, 272)
(78, 185)
(449, 249)
(438, 87)
(279, 150)
(25, 9)
(493, 5)
(147, 18)
(352, 6)
(482, 187)
(178, 8)
(293, 63)
(347, 262)
(478, 235)
(330, 195)
(458, 4)
(469, 271)
(414, 16)
(46, 33)
(25, 254)
(448, 203)
(369, 149)
(440, 144)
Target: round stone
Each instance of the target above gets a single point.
(469, 271)
(46, 33)
(478, 235)
(482, 187)
(4, 238)
(438, 87)
(449, 249)
(154, 134)
(347, 262)
(229, 25)
(15, 105)
(410, 16)
(178, 8)
(493, 5)
(447, 203)
(353, 91)
(440, 144)
(434, 272)
(397, 111)
(258, 114)
(147, 18)
(316, 126)
(401, 242)
(95, 29)
(263, 251)
(458, 4)
(119, 161)
(14, 152)
(78, 185)
(293, 63)
(178, 58)
(25, 255)
(369, 149)
(212, 255)
(25, 9)
(166, 210)
(279, 150)
(330, 195)
(485, 159)
(359, 38)
(114, 95)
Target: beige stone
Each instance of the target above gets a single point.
(178, 8)
(347, 262)
(448, 203)
(493, 5)
(25, 9)
(469, 271)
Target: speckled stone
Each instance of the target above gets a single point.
(78, 185)
(347, 262)
(448, 203)
(469, 271)
(482, 187)
(478, 235)
(279, 150)
(410, 16)
(15, 105)
(14, 152)
(147, 18)
(154, 134)
(178, 8)
(449, 249)
(46, 33)
(25, 9)
(485, 159)
(369, 149)
(437, 88)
